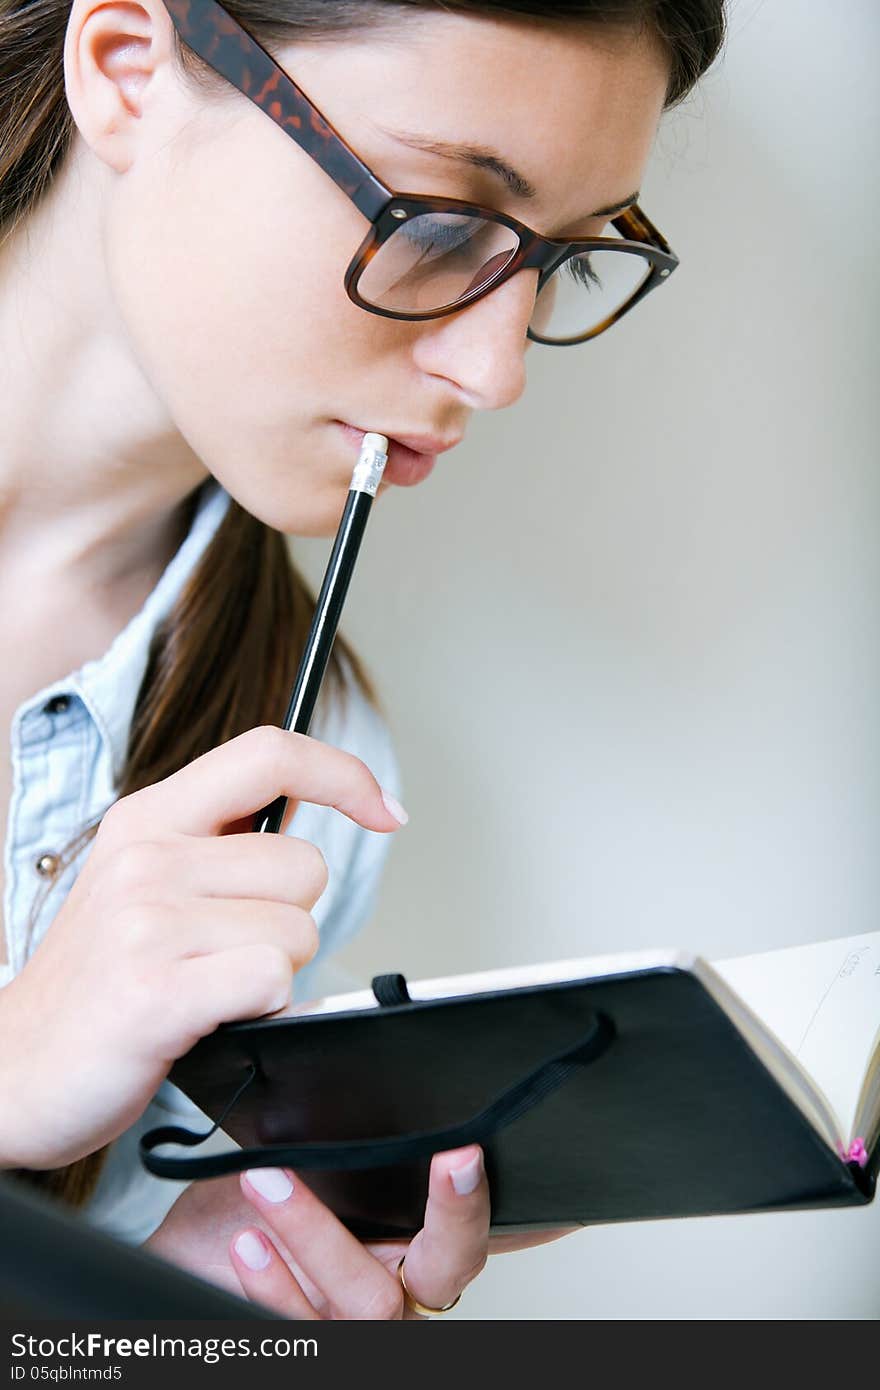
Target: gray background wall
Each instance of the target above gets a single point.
(637, 700)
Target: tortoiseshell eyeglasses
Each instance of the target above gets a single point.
(425, 257)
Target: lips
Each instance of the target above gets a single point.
(424, 444)
(411, 458)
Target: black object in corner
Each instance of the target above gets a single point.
(54, 1265)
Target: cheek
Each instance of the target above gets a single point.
(229, 282)
(209, 272)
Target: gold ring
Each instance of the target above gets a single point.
(414, 1303)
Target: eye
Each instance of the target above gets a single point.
(439, 235)
(580, 268)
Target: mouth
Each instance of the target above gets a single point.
(411, 458)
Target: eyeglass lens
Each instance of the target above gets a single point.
(433, 260)
(585, 291)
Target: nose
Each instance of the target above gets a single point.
(481, 349)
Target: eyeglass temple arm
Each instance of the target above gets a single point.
(633, 224)
(229, 49)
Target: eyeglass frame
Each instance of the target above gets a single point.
(216, 37)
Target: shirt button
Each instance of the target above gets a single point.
(47, 864)
(57, 705)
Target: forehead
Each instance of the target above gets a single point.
(574, 106)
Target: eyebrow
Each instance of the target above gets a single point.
(483, 158)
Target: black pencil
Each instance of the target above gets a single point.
(340, 567)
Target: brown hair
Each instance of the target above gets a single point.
(246, 590)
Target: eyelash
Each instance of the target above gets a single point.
(444, 236)
(581, 270)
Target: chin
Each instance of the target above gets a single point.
(319, 518)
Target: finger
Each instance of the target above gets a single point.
(266, 1278)
(203, 926)
(245, 982)
(245, 774)
(355, 1284)
(280, 868)
(451, 1248)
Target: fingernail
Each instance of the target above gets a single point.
(394, 808)
(251, 1250)
(467, 1178)
(271, 1183)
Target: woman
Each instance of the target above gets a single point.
(197, 324)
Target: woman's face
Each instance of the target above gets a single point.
(226, 245)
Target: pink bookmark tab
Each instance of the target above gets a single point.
(857, 1153)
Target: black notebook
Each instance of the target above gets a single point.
(618, 1088)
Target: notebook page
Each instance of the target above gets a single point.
(823, 1002)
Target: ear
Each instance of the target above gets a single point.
(118, 57)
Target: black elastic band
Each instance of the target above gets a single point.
(351, 1154)
(391, 990)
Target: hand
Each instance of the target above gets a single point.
(312, 1267)
(177, 923)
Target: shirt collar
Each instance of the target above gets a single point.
(109, 685)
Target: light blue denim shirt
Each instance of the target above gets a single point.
(68, 745)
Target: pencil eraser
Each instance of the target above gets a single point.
(371, 463)
(377, 442)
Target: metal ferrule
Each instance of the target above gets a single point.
(371, 463)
